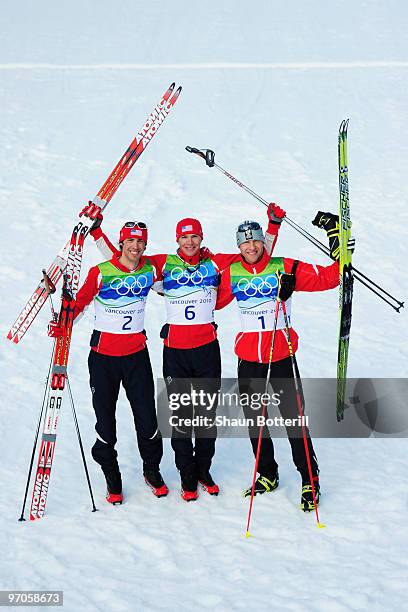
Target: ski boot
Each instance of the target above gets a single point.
(307, 503)
(263, 484)
(154, 480)
(189, 482)
(206, 481)
(114, 494)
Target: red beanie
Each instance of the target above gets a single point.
(132, 229)
(188, 226)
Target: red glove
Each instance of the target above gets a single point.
(275, 213)
(93, 212)
(205, 253)
(55, 330)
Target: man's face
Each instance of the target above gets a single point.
(252, 250)
(133, 249)
(189, 244)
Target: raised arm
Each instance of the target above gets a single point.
(310, 277)
(105, 246)
(275, 218)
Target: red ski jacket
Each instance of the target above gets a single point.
(256, 346)
(115, 345)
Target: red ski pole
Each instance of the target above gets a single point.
(268, 376)
(300, 410)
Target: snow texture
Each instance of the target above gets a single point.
(265, 85)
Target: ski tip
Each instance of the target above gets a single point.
(175, 95)
(9, 335)
(343, 127)
(168, 93)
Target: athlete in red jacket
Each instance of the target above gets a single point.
(189, 280)
(119, 289)
(253, 282)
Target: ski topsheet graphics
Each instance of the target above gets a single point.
(346, 271)
(102, 198)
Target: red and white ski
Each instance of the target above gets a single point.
(102, 198)
(59, 369)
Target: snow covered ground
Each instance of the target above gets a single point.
(265, 86)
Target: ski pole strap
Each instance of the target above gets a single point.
(49, 285)
(196, 151)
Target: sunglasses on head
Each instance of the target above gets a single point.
(249, 225)
(137, 224)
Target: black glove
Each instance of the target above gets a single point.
(330, 223)
(287, 286)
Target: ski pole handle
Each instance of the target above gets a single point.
(207, 154)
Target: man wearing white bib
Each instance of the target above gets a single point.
(119, 289)
(253, 282)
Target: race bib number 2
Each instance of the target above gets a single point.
(127, 325)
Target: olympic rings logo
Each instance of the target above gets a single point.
(133, 285)
(182, 276)
(258, 285)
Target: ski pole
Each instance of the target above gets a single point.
(258, 449)
(300, 410)
(36, 436)
(94, 509)
(208, 155)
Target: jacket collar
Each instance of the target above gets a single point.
(259, 266)
(191, 261)
(115, 261)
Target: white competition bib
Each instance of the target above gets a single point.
(190, 291)
(121, 300)
(125, 320)
(262, 317)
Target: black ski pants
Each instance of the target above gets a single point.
(134, 371)
(184, 370)
(251, 379)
